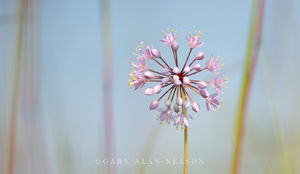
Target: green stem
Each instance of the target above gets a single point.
(185, 137)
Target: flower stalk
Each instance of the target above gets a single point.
(185, 137)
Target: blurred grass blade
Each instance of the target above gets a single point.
(268, 83)
(16, 87)
(241, 108)
(253, 46)
(107, 86)
(149, 146)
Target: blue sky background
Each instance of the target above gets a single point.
(69, 53)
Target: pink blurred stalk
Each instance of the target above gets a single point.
(107, 86)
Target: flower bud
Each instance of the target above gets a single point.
(168, 102)
(195, 107)
(155, 53)
(176, 108)
(154, 104)
(179, 101)
(199, 56)
(157, 89)
(175, 46)
(149, 91)
(187, 69)
(149, 74)
(186, 104)
(186, 80)
(165, 80)
(177, 82)
(204, 93)
(197, 67)
(202, 84)
(176, 70)
(175, 77)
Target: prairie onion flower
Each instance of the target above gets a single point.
(174, 83)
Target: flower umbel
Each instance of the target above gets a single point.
(174, 83)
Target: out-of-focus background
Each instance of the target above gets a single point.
(65, 105)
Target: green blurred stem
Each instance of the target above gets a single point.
(244, 92)
(16, 89)
(185, 138)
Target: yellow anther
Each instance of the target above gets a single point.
(175, 31)
(226, 79)
(142, 42)
(177, 128)
(195, 31)
(216, 58)
(190, 32)
(221, 101)
(182, 128)
(222, 66)
(172, 30)
(222, 59)
(221, 106)
(168, 28)
(227, 87)
(163, 33)
(215, 110)
(160, 123)
(227, 82)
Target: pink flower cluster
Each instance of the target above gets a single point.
(177, 83)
